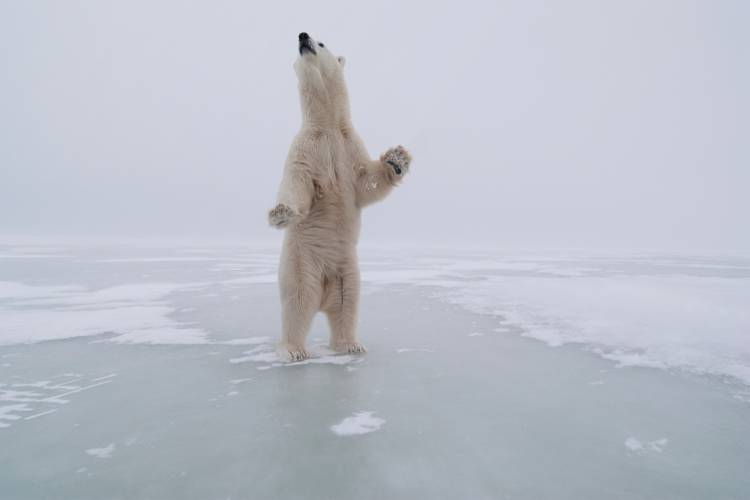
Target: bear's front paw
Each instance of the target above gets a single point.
(281, 215)
(398, 158)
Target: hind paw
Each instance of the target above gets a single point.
(291, 353)
(349, 348)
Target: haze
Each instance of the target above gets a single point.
(563, 125)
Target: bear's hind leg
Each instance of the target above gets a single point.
(340, 305)
(300, 299)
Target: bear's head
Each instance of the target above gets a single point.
(322, 88)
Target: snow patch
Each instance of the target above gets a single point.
(360, 423)
(33, 400)
(696, 323)
(319, 355)
(105, 452)
(134, 313)
(633, 444)
(637, 446)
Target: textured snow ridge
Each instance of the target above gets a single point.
(689, 313)
(360, 423)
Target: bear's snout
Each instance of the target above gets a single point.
(306, 44)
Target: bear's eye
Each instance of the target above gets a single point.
(320, 44)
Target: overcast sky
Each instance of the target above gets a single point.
(532, 125)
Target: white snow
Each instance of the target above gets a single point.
(7, 413)
(105, 452)
(319, 354)
(137, 312)
(138, 323)
(328, 359)
(636, 445)
(700, 324)
(360, 423)
(635, 310)
(38, 398)
(633, 444)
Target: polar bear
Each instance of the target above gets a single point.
(328, 178)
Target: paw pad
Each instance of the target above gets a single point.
(280, 215)
(398, 158)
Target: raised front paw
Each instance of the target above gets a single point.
(398, 158)
(281, 215)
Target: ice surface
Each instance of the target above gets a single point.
(662, 312)
(154, 374)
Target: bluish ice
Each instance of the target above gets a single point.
(130, 372)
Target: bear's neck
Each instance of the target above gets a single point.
(323, 111)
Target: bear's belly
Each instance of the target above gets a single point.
(330, 231)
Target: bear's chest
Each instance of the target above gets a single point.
(335, 176)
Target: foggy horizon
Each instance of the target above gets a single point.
(532, 126)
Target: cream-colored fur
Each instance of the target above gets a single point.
(328, 179)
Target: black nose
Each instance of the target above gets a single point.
(303, 36)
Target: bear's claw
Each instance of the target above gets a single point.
(349, 348)
(290, 353)
(398, 158)
(280, 216)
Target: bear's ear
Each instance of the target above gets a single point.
(341, 60)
